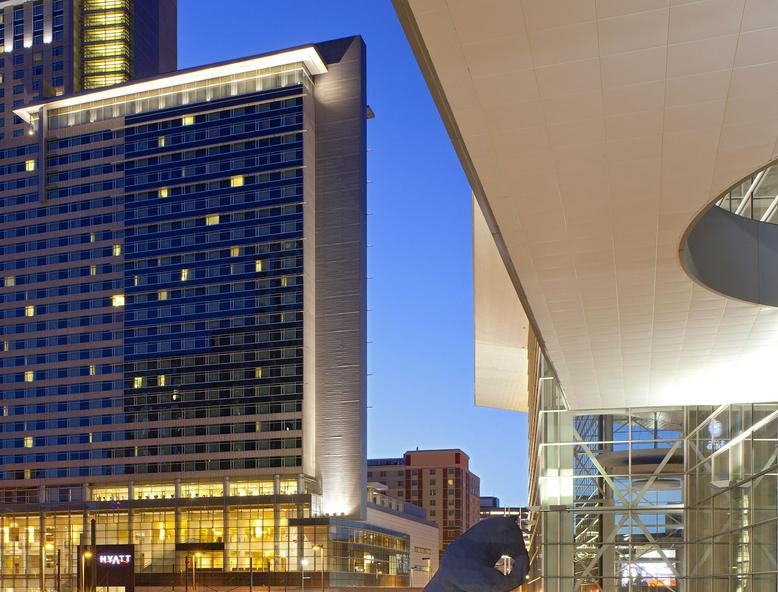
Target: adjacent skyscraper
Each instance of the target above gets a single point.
(183, 328)
(56, 47)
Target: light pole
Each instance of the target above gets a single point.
(194, 570)
(320, 549)
(303, 563)
(84, 556)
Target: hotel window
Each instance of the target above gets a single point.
(117, 300)
(29, 376)
(284, 281)
(163, 192)
(91, 237)
(162, 295)
(29, 165)
(117, 250)
(137, 382)
(236, 181)
(10, 281)
(29, 311)
(234, 251)
(258, 265)
(161, 141)
(187, 120)
(184, 275)
(92, 370)
(258, 373)
(212, 220)
(161, 380)
(93, 270)
(28, 442)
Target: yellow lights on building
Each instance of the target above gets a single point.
(234, 252)
(29, 310)
(28, 442)
(137, 382)
(258, 265)
(236, 181)
(162, 295)
(184, 274)
(117, 250)
(93, 270)
(163, 192)
(117, 300)
(161, 380)
(29, 376)
(92, 370)
(29, 165)
(105, 48)
(10, 281)
(258, 372)
(284, 281)
(187, 120)
(212, 220)
(161, 141)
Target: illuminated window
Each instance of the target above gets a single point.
(212, 220)
(10, 281)
(161, 141)
(93, 270)
(163, 192)
(28, 442)
(117, 250)
(5, 346)
(29, 311)
(137, 382)
(236, 181)
(284, 281)
(234, 251)
(29, 376)
(162, 295)
(258, 373)
(258, 265)
(29, 165)
(117, 300)
(135, 280)
(91, 237)
(187, 120)
(184, 274)
(161, 380)
(92, 370)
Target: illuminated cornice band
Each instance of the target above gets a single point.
(306, 55)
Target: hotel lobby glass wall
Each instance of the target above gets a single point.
(673, 498)
(173, 526)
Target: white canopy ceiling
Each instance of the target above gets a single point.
(595, 132)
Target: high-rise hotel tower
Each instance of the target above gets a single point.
(56, 47)
(182, 326)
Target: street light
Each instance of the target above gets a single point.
(197, 555)
(84, 556)
(303, 563)
(319, 548)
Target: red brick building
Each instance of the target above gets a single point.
(439, 481)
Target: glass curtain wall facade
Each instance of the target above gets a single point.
(671, 498)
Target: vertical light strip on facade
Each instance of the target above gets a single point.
(105, 42)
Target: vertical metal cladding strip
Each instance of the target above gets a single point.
(341, 189)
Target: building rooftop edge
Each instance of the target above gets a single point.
(307, 54)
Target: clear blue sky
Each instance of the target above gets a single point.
(420, 325)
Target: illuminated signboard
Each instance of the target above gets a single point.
(113, 559)
(115, 566)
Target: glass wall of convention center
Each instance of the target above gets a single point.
(680, 499)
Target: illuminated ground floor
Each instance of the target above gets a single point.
(219, 534)
(681, 499)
